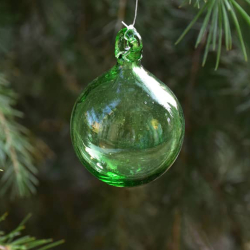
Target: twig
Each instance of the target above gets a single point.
(190, 88)
(51, 50)
(5, 248)
(121, 13)
(175, 244)
(176, 230)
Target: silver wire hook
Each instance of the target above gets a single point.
(136, 10)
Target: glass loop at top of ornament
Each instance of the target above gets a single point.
(128, 46)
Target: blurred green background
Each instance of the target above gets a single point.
(50, 50)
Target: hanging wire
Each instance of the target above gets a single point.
(136, 10)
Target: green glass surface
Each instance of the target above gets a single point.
(127, 127)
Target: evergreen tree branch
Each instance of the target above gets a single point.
(218, 11)
(11, 242)
(16, 151)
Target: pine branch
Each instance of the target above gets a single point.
(10, 241)
(16, 151)
(216, 23)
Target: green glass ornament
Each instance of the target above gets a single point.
(127, 127)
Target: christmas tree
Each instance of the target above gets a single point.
(50, 50)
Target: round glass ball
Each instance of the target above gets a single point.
(127, 127)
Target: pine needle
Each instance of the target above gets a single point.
(216, 20)
(11, 240)
(16, 159)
